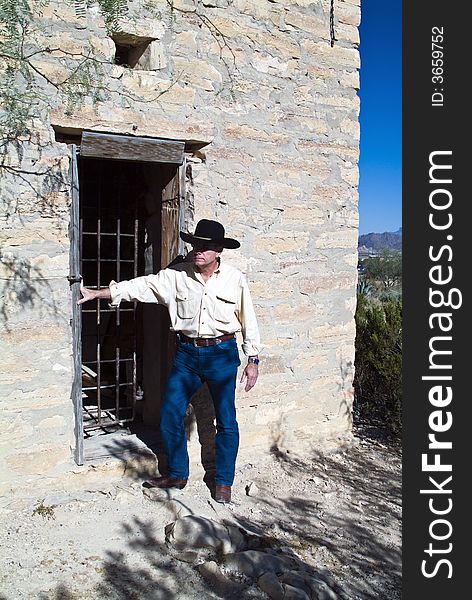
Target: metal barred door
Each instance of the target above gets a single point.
(111, 238)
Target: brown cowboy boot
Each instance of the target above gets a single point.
(166, 482)
(223, 494)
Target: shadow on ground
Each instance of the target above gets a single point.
(334, 511)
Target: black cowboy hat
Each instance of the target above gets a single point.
(209, 231)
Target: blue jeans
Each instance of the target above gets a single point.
(193, 365)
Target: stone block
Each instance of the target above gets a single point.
(143, 27)
(67, 41)
(276, 342)
(282, 241)
(275, 287)
(310, 214)
(306, 361)
(229, 26)
(350, 79)
(276, 43)
(246, 132)
(154, 58)
(349, 13)
(52, 70)
(350, 175)
(332, 331)
(283, 192)
(296, 312)
(297, 121)
(351, 258)
(261, 10)
(323, 54)
(336, 239)
(347, 33)
(15, 429)
(39, 461)
(184, 5)
(351, 127)
(312, 25)
(65, 12)
(54, 422)
(198, 73)
(122, 121)
(337, 100)
(346, 216)
(103, 47)
(327, 282)
(272, 65)
(323, 152)
(185, 42)
(52, 395)
(350, 304)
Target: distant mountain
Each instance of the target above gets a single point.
(374, 242)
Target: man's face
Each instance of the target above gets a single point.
(205, 253)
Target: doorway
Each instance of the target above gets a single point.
(129, 215)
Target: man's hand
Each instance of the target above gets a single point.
(87, 294)
(251, 371)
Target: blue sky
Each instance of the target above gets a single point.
(380, 117)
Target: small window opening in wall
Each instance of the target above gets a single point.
(133, 51)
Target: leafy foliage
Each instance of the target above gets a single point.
(364, 288)
(385, 270)
(112, 10)
(378, 374)
(17, 109)
(36, 78)
(25, 90)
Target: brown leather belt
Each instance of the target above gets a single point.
(206, 341)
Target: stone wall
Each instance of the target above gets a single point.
(259, 82)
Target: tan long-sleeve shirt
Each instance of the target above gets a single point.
(197, 308)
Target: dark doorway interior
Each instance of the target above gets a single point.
(125, 350)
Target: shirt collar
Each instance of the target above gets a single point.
(198, 275)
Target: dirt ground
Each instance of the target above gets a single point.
(340, 512)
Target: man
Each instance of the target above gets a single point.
(208, 303)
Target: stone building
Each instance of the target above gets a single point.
(123, 125)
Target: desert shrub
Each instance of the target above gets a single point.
(378, 374)
(384, 270)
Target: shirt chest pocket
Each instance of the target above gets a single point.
(225, 307)
(186, 306)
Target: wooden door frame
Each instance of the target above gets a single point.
(76, 323)
(153, 154)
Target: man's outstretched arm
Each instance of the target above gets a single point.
(88, 294)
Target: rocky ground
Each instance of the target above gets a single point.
(324, 528)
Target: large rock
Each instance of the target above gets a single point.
(314, 588)
(211, 572)
(293, 593)
(193, 531)
(254, 563)
(270, 584)
(295, 585)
